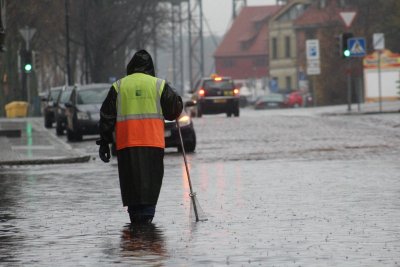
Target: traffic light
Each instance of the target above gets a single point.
(26, 61)
(345, 50)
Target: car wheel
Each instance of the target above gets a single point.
(78, 136)
(59, 129)
(236, 112)
(73, 136)
(189, 147)
(199, 112)
(47, 122)
(70, 135)
(229, 114)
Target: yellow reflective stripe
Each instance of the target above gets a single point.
(122, 118)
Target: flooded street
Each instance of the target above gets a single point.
(279, 188)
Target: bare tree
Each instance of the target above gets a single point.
(102, 34)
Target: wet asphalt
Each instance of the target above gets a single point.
(278, 187)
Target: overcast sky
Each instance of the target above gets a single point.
(219, 13)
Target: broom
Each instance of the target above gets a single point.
(195, 203)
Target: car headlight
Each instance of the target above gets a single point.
(184, 120)
(82, 116)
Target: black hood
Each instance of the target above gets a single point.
(141, 62)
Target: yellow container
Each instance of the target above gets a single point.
(16, 109)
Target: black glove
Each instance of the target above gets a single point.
(104, 151)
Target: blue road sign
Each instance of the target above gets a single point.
(357, 46)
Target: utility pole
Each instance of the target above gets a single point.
(201, 39)
(196, 45)
(236, 7)
(85, 40)
(195, 38)
(69, 78)
(181, 52)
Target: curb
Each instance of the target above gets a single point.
(79, 159)
(361, 113)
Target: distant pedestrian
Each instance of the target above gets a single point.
(135, 107)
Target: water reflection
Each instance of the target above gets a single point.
(29, 139)
(143, 243)
(9, 192)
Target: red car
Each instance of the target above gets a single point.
(294, 100)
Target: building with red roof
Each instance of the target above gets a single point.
(243, 52)
(322, 21)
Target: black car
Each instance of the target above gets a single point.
(60, 116)
(50, 106)
(216, 95)
(188, 134)
(171, 134)
(83, 110)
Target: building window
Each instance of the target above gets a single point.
(244, 45)
(228, 63)
(288, 83)
(287, 47)
(322, 4)
(274, 48)
(260, 61)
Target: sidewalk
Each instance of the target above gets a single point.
(362, 109)
(25, 141)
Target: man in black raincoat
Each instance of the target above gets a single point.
(140, 168)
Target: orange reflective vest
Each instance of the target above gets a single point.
(140, 121)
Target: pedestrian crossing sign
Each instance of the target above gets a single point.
(357, 46)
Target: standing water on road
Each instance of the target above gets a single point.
(278, 189)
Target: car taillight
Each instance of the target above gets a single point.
(236, 91)
(202, 92)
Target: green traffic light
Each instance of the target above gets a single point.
(346, 53)
(28, 67)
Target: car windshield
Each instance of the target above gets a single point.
(65, 95)
(223, 84)
(92, 96)
(273, 97)
(54, 94)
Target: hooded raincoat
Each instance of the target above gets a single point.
(140, 168)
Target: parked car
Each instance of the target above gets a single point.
(83, 110)
(272, 100)
(294, 100)
(188, 134)
(171, 134)
(308, 100)
(60, 116)
(50, 105)
(215, 95)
